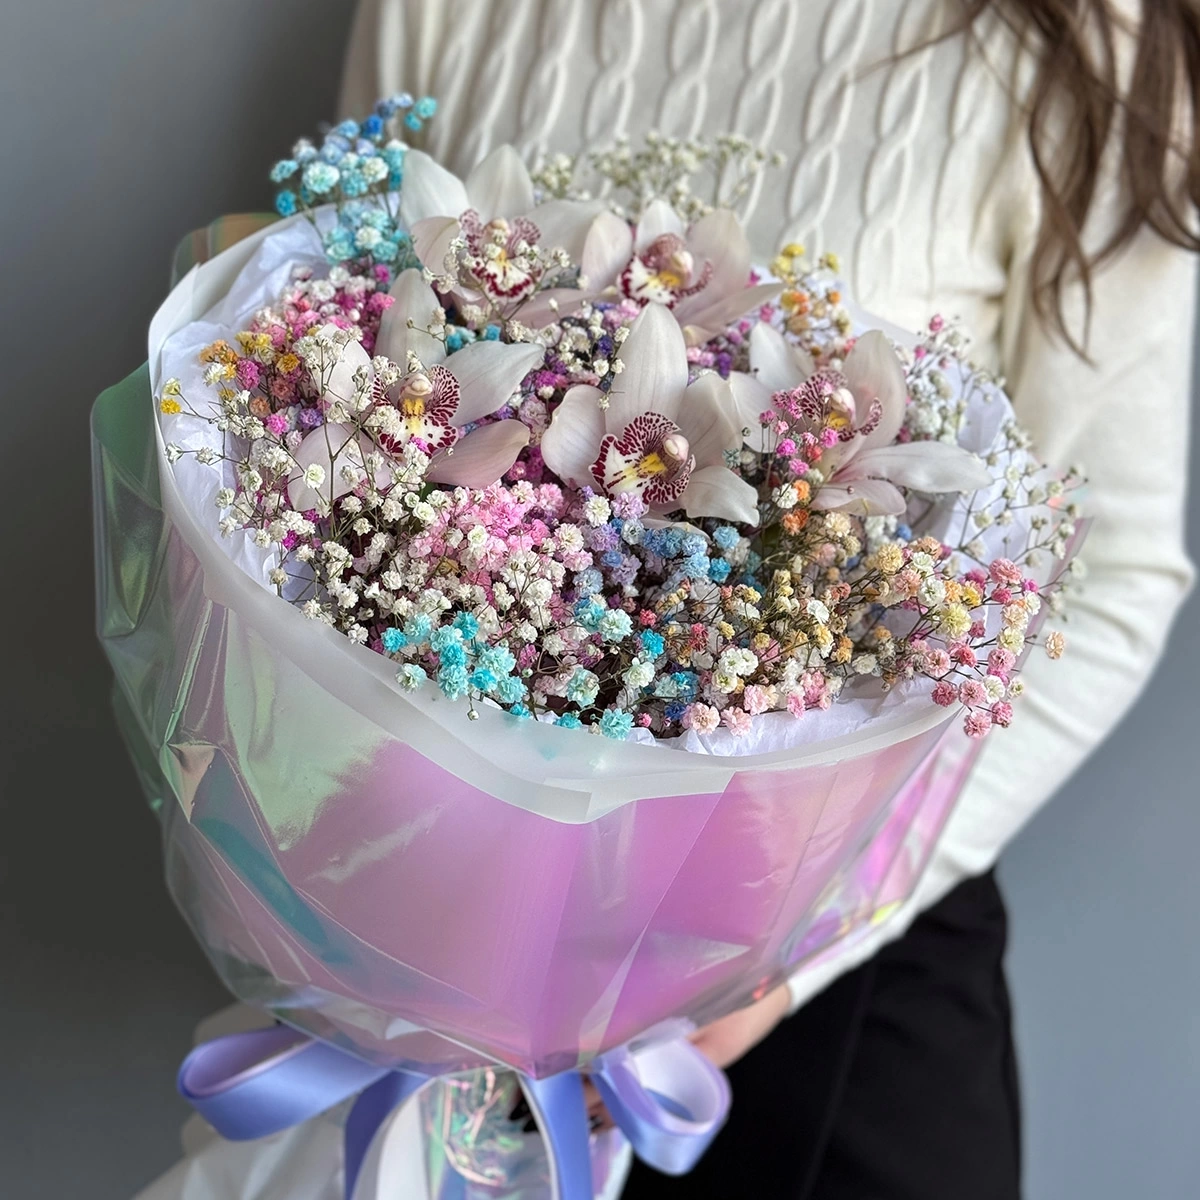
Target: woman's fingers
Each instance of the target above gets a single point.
(598, 1116)
(725, 1041)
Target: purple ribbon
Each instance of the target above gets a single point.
(667, 1099)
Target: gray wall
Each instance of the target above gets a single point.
(1104, 892)
(126, 123)
(115, 141)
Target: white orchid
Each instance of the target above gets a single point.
(864, 470)
(700, 273)
(653, 432)
(493, 211)
(434, 397)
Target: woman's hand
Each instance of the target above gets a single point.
(726, 1040)
(723, 1042)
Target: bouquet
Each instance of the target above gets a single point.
(540, 630)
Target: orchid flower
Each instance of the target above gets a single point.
(653, 432)
(866, 467)
(435, 398)
(493, 211)
(701, 274)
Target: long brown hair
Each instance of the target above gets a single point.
(1153, 109)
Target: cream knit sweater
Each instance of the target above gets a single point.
(915, 170)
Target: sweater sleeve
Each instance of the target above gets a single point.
(1123, 417)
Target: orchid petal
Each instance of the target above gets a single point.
(708, 418)
(499, 186)
(571, 443)
(874, 373)
(925, 466)
(412, 300)
(606, 251)
(482, 457)
(719, 240)
(489, 373)
(339, 383)
(545, 307)
(717, 492)
(565, 224)
(866, 497)
(652, 522)
(429, 190)
(655, 370)
(331, 447)
(781, 365)
(707, 319)
(431, 238)
(752, 397)
(659, 218)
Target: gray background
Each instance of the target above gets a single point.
(128, 123)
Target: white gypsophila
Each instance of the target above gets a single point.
(569, 538)
(838, 524)
(994, 687)
(932, 592)
(597, 511)
(639, 674)
(739, 660)
(817, 610)
(1011, 638)
(539, 591)
(864, 664)
(410, 677)
(724, 681)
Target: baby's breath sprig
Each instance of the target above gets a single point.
(358, 169)
(694, 175)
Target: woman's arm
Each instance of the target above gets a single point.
(1124, 416)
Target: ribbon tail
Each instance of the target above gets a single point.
(248, 1085)
(558, 1107)
(667, 1099)
(370, 1111)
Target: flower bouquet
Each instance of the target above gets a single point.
(540, 632)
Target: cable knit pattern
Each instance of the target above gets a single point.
(760, 94)
(812, 187)
(619, 36)
(549, 76)
(885, 185)
(914, 166)
(966, 109)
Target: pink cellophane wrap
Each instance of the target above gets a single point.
(441, 893)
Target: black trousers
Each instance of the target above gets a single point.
(898, 1082)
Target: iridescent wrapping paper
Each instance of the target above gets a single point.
(340, 876)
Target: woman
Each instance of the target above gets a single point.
(964, 157)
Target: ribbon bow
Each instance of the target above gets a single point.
(666, 1098)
